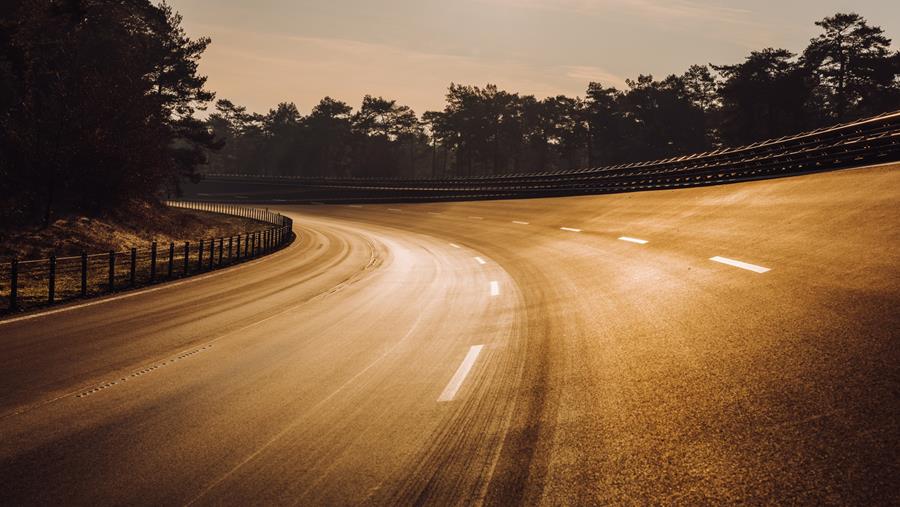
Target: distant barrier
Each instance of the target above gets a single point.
(868, 141)
(28, 284)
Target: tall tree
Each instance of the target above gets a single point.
(605, 124)
(98, 104)
(328, 131)
(763, 97)
(856, 68)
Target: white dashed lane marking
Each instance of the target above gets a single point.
(495, 288)
(633, 240)
(454, 245)
(570, 229)
(519, 222)
(480, 260)
(461, 373)
(739, 264)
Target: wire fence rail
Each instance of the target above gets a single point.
(867, 141)
(29, 284)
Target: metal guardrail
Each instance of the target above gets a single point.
(871, 140)
(41, 282)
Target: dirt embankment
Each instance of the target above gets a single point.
(137, 226)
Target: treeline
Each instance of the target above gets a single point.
(848, 71)
(97, 102)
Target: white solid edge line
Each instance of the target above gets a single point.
(633, 240)
(519, 222)
(495, 288)
(739, 264)
(480, 260)
(393, 209)
(354, 206)
(461, 373)
(477, 218)
(454, 245)
(570, 229)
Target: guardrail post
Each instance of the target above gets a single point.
(13, 284)
(133, 265)
(230, 239)
(171, 257)
(212, 252)
(153, 262)
(200, 256)
(83, 274)
(246, 244)
(221, 248)
(187, 253)
(51, 287)
(112, 270)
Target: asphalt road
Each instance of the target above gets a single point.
(513, 352)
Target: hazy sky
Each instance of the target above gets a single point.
(268, 51)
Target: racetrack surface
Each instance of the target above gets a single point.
(581, 350)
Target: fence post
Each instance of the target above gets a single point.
(13, 284)
(51, 288)
(230, 239)
(83, 274)
(153, 262)
(246, 244)
(212, 252)
(187, 252)
(133, 262)
(112, 270)
(171, 257)
(221, 249)
(200, 257)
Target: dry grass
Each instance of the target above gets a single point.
(137, 227)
